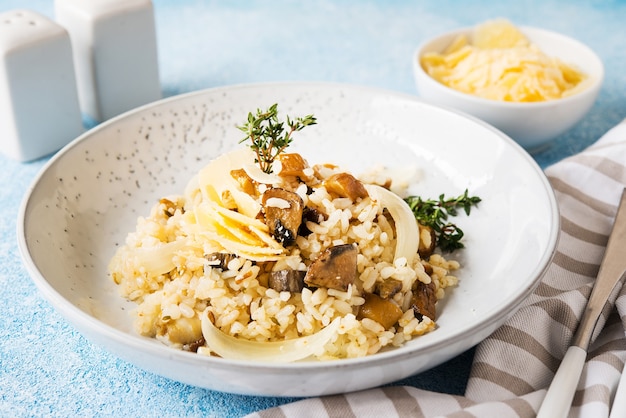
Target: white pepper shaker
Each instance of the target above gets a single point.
(115, 53)
(39, 107)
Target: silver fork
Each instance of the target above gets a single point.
(558, 400)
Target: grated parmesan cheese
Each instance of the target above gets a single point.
(502, 64)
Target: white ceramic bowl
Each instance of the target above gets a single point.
(88, 197)
(532, 125)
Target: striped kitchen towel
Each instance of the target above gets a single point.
(514, 366)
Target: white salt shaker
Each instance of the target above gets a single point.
(39, 107)
(115, 53)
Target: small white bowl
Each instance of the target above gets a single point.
(534, 124)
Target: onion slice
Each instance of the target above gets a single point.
(233, 348)
(407, 231)
(156, 260)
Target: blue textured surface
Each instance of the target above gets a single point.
(47, 368)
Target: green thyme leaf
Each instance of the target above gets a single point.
(434, 213)
(268, 136)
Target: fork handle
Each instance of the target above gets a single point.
(558, 400)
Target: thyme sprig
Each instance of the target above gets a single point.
(268, 135)
(434, 213)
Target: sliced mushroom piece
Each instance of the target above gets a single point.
(345, 185)
(287, 280)
(335, 268)
(292, 164)
(194, 345)
(424, 299)
(428, 241)
(283, 214)
(384, 311)
(309, 215)
(246, 183)
(388, 288)
(219, 260)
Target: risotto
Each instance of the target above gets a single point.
(306, 263)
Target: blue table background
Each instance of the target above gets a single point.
(48, 369)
